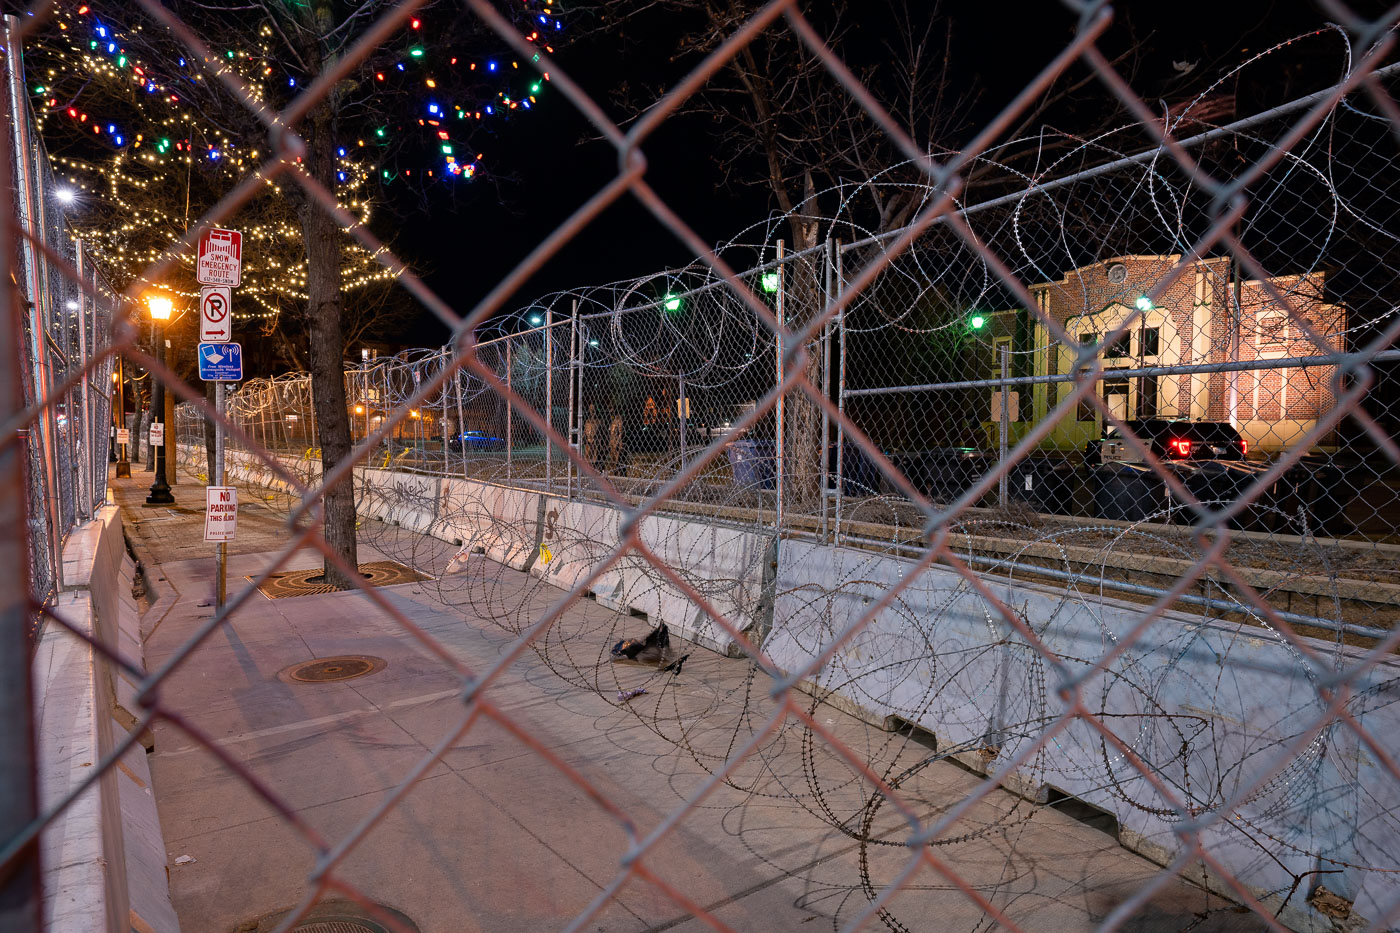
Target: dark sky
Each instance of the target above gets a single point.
(553, 167)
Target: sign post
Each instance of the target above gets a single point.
(217, 476)
(219, 269)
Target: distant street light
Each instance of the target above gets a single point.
(160, 307)
(65, 195)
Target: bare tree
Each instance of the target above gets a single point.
(352, 135)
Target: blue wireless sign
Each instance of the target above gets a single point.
(220, 362)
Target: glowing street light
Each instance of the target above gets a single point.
(977, 322)
(160, 306)
(672, 303)
(770, 282)
(1144, 303)
(65, 195)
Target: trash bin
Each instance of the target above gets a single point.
(858, 475)
(754, 463)
(948, 472)
(1046, 484)
(1128, 492)
(1321, 489)
(1218, 483)
(907, 463)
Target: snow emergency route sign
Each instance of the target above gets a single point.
(215, 302)
(221, 513)
(220, 258)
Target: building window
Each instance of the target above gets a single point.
(1088, 339)
(1120, 348)
(1147, 397)
(997, 345)
(1273, 331)
(1151, 341)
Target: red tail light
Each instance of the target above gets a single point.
(1244, 447)
(1179, 447)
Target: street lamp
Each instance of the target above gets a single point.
(160, 307)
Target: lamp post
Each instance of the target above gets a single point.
(160, 307)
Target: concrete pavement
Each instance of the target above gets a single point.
(492, 837)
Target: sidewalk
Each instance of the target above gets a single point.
(492, 837)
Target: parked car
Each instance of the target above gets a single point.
(474, 440)
(1171, 440)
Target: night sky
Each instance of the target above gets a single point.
(554, 164)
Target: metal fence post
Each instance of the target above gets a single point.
(548, 397)
(446, 387)
(510, 433)
(779, 443)
(86, 485)
(840, 285)
(1003, 428)
(573, 376)
(461, 421)
(825, 454)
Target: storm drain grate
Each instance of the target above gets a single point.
(339, 926)
(288, 583)
(331, 670)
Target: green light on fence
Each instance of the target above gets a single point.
(1144, 303)
(977, 322)
(672, 303)
(770, 282)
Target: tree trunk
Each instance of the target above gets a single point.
(804, 446)
(326, 352)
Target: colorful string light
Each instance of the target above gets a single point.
(89, 80)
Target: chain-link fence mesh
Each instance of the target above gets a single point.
(1089, 484)
(65, 366)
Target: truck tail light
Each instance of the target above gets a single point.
(1179, 447)
(1244, 447)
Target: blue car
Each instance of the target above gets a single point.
(475, 440)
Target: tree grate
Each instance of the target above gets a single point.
(287, 584)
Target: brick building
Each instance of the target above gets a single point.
(1193, 321)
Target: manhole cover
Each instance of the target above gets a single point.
(288, 583)
(331, 670)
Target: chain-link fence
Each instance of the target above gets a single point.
(1089, 483)
(64, 363)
